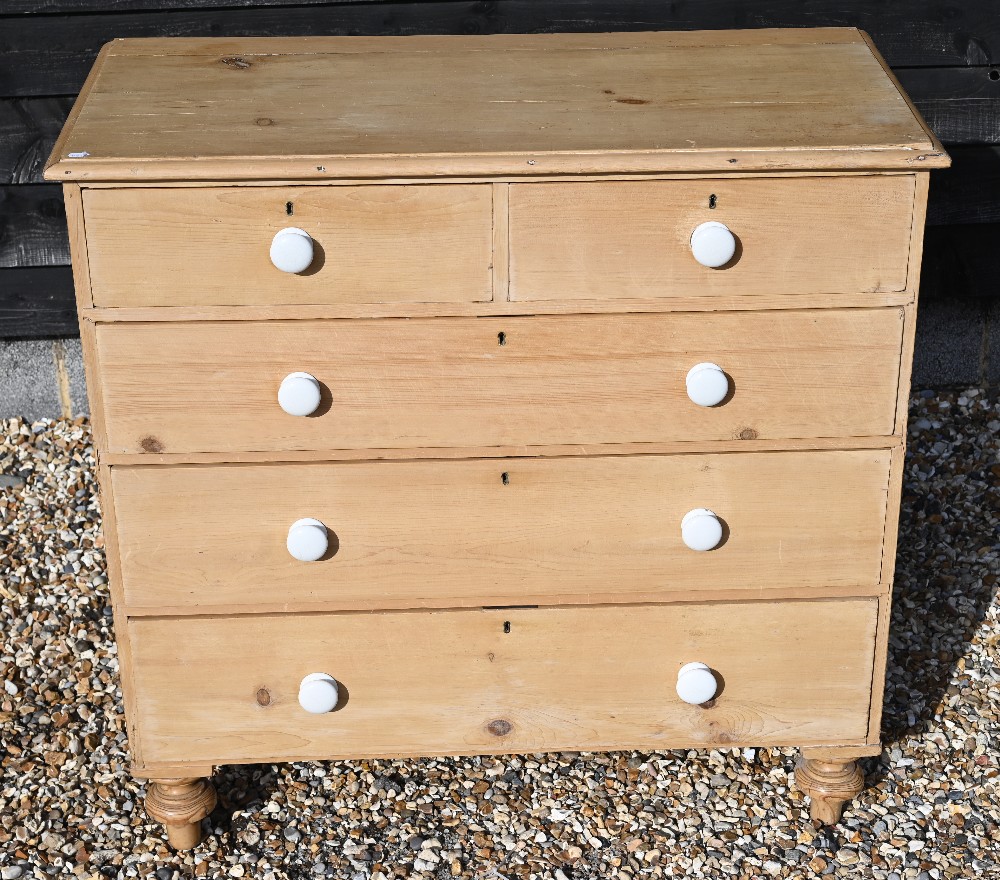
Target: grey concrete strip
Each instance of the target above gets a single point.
(28, 386)
(949, 344)
(993, 344)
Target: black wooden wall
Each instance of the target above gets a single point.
(946, 53)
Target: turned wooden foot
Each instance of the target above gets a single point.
(829, 785)
(180, 805)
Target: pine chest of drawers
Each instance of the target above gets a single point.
(497, 394)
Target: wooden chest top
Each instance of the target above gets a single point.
(505, 105)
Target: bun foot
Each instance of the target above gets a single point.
(180, 805)
(829, 784)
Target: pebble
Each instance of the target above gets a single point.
(927, 814)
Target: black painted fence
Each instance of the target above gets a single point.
(942, 53)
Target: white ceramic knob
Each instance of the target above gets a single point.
(298, 394)
(318, 693)
(701, 529)
(707, 384)
(696, 684)
(307, 540)
(292, 250)
(712, 244)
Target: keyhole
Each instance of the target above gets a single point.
(289, 208)
(506, 626)
(711, 201)
(502, 338)
(505, 478)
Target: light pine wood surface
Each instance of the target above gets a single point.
(425, 533)
(722, 302)
(526, 104)
(454, 682)
(632, 239)
(210, 246)
(449, 382)
(503, 307)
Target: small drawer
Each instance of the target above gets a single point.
(477, 383)
(198, 538)
(185, 246)
(633, 239)
(228, 690)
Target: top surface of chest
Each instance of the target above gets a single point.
(526, 105)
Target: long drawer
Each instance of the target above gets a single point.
(211, 246)
(633, 238)
(490, 532)
(225, 690)
(486, 382)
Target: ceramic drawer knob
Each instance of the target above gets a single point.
(707, 384)
(307, 540)
(292, 250)
(712, 244)
(696, 684)
(701, 529)
(298, 394)
(318, 693)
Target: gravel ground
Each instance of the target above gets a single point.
(931, 809)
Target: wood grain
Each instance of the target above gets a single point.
(654, 101)
(448, 382)
(447, 533)
(722, 302)
(611, 240)
(28, 130)
(668, 447)
(961, 104)
(156, 247)
(51, 54)
(455, 683)
(37, 302)
(32, 226)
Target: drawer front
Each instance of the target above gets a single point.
(212, 246)
(448, 382)
(225, 690)
(497, 532)
(633, 239)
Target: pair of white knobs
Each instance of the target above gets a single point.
(712, 245)
(308, 539)
(299, 393)
(319, 692)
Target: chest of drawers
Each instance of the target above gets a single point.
(460, 395)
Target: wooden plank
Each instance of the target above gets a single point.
(123, 635)
(961, 261)
(501, 242)
(969, 191)
(28, 130)
(431, 533)
(630, 239)
(37, 302)
(52, 53)
(373, 244)
(895, 81)
(663, 104)
(961, 104)
(669, 447)
(32, 226)
(54, 7)
(719, 303)
(78, 245)
(447, 382)
(457, 682)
